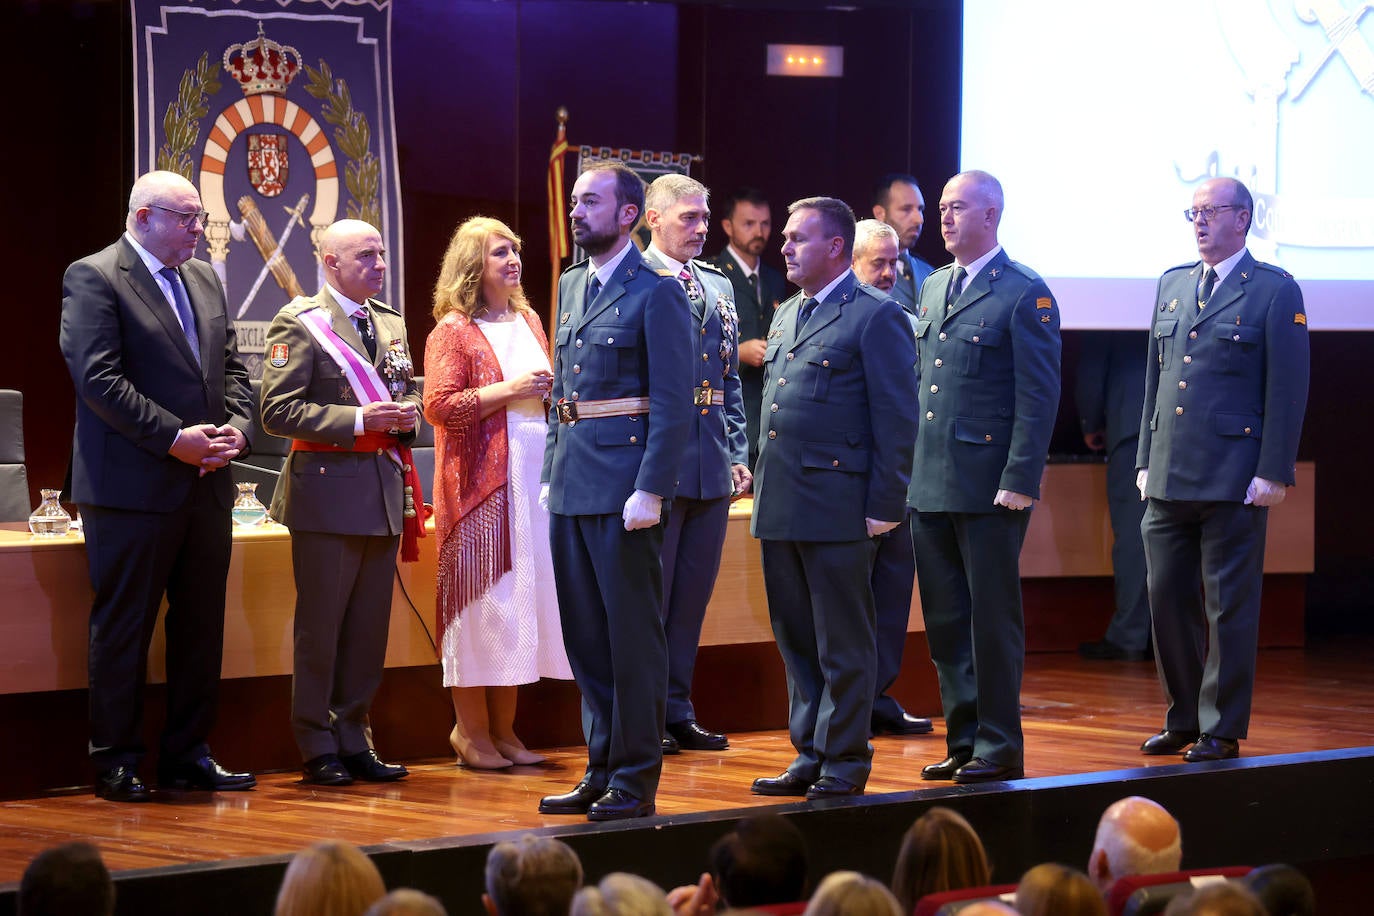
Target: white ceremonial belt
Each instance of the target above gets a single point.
(572, 411)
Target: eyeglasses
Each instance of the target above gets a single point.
(1207, 214)
(185, 219)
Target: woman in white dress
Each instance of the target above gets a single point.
(486, 376)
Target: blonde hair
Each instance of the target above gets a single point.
(329, 879)
(1057, 890)
(459, 288)
(621, 894)
(940, 852)
(848, 893)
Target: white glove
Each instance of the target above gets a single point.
(876, 527)
(1264, 493)
(1141, 476)
(642, 510)
(544, 496)
(1012, 500)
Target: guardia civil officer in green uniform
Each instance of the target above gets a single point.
(1225, 394)
(987, 330)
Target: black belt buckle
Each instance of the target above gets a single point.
(567, 411)
(701, 397)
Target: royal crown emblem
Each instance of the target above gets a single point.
(262, 66)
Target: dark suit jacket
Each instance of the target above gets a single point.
(635, 340)
(1109, 388)
(308, 398)
(1246, 374)
(137, 382)
(907, 289)
(838, 447)
(717, 439)
(989, 387)
(755, 318)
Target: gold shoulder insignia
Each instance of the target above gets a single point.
(1044, 302)
(1300, 318)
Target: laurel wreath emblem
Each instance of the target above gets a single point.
(362, 173)
(181, 123)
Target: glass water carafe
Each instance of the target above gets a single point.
(248, 510)
(50, 520)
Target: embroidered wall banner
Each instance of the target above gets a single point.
(281, 115)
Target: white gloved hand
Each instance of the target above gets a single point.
(544, 496)
(1012, 500)
(642, 510)
(876, 527)
(1264, 493)
(1141, 476)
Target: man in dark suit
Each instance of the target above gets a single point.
(162, 405)
(758, 287)
(894, 569)
(988, 335)
(622, 381)
(712, 467)
(898, 201)
(1110, 392)
(832, 475)
(1225, 396)
(337, 383)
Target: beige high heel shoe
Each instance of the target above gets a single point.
(470, 757)
(518, 753)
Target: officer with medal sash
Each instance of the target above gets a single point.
(343, 493)
(714, 464)
(622, 380)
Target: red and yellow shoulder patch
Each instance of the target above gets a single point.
(279, 355)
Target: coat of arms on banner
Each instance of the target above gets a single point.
(281, 115)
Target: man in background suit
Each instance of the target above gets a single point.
(342, 493)
(162, 405)
(894, 569)
(622, 380)
(898, 201)
(988, 336)
(832, 476)
(712, 468)
(1110, 393)
(1225, 396)
(759, 288)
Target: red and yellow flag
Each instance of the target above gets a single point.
(558, 223)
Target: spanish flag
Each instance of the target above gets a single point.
(558, 223)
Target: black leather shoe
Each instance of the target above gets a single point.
(1167, 742)
(670, 745)
(785, 783)
(204, 773)
(906, 724)
(1210, 747)
(980, 770)
(121, 784)
(946, 768)
(692, 737)
(832, 787)
(1104, 650)
(368, 766)
(617, 805)
(327, 770)
(575, 802)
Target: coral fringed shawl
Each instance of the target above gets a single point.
(471, 490)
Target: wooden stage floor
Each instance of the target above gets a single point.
(1080, 717)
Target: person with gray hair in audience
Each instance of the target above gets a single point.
(848, 893)
(532, 876)
(67, 880)
(621, 894)
(1135, 836)
(406, 901)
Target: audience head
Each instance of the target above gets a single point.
(482, 261)
(747, 221)
(1220, 898)
(761, 861)
(532, 876)
(848, 893)
(67, 880)
(679, 216)
(165, 217)
(329, 879)
(1135, 836)
(405, 901)
(970, 210)
(940, 852)
(1282, 890)
(818, 241)
(1057, 890)
(607, 202)
(988, 908)
(875, 253)
(621, 894)
(898, 201)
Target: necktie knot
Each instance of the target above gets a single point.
(363, 321)
(956, 285)
(1209, 282)
(807, 307)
